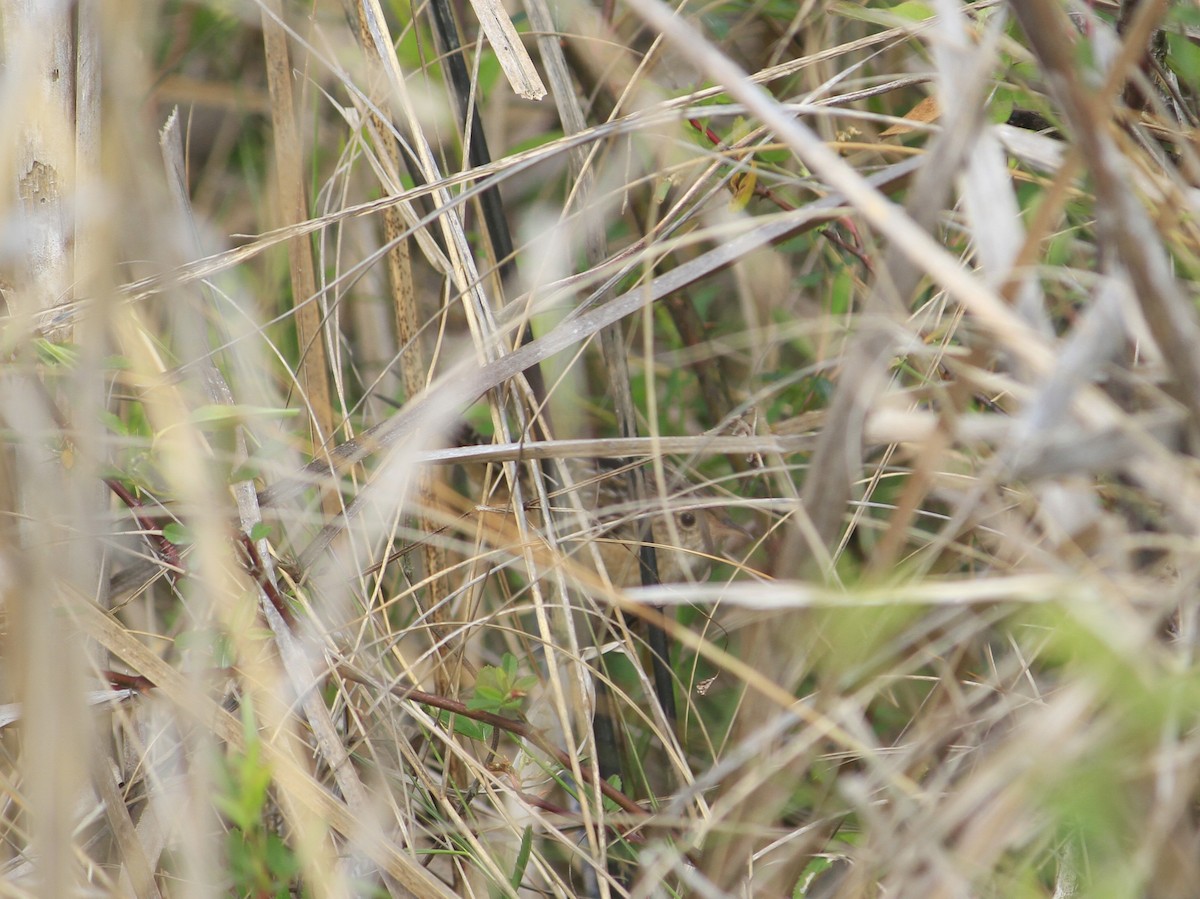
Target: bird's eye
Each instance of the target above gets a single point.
(687, 519)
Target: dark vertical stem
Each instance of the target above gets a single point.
(478, 155)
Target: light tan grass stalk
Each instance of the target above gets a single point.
(294, 208)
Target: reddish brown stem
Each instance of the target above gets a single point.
(767, 194)
(517, 728)
(122, 681)
(258, 571)
(167, 550)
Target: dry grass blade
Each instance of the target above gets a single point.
(509, 51)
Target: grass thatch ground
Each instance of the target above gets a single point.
(908, 290)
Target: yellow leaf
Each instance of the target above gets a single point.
(743, 184)
(926, 111)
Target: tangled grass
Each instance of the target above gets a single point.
(306, 305)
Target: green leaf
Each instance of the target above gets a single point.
(64, 354)
(538, 139)
(1183, 58)
(815, 866)
(478, 703)
(509, 663)
(246, 780)
(841, 293)
(471, 729)
(114, 423)
(241, 856)
(1184, 15)
(221, 415)
(261, 531)
(522, 685)
(1001, 108)
(281, 860)
(522, 862)
(200, 638)
(901, 14)
(211, 647)
(245, 472)
(117, 363)
(178, 534)
(490, 682)
(499, 690)
(661, 190)
(479, 418)
(913, 10)
(233, 803)
(608, 804)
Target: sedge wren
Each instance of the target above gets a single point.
(593, 501)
